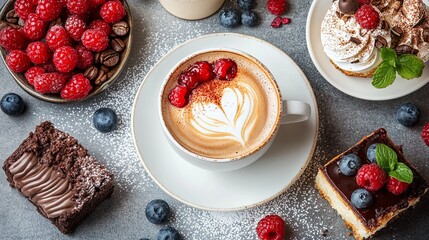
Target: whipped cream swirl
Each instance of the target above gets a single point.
(348, 45)
(234, 118)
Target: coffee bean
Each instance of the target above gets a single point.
(355, 40)
(117, 45)
(97, 58)
(121, 28)
(385, 25)
(21, 22)
(397, 31)
(91, 73)
(101, 77)
(404, 49)
(380, 42)
(12, 17)
(57, 21)
(425, 35)
(109, 58)
(4, 24)
(375, 2)
(105, 69)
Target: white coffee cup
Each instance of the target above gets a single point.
(192, 9)
(290, 111)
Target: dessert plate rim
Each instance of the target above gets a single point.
(353, 86)
(173, 177)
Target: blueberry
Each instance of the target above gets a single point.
(246, 4)
(12, 104)
(168, 233)
(250, 19)
(370, 153)
(408, 115)
(229, 18)
(349, 164)
(362, 198)
(144, 239)
(105, 120)
(157, 211)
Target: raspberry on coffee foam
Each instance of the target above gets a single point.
(348, 45)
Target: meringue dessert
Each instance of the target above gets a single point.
(352, 34)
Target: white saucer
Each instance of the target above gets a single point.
(356, 87)
(245, 188)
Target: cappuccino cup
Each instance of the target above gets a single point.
(227, 124)
(191, 9)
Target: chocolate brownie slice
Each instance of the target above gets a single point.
(58, 176)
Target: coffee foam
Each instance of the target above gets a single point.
(225, 119)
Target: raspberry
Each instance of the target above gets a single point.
(363, 2)
(271, 227)
(96, 2)
(32, 73)
(395, 186)
(367, 17)
(78, 7)
(12, 39)
(49, 82)
(425, 134)
(65, 59)
(285, 20)
(101, 25)
(49, 67)
(75, 26)
(77, 88)
(34, 28)
(371, 177)
(57, 37)
(48, 10)
(179, 96)
(225, 69)
(189, 80)
(18, 61)
(277, 22)
(95, 40)
(85, 57)
(277, 7)
(38, 52)
(112, 11)
(204, 70)
(23, 8)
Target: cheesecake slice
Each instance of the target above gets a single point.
(337, 189)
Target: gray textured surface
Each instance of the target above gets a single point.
(343, 121)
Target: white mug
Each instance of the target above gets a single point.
(292, 111)
(192, 9)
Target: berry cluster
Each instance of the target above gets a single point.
(198, 73)
(53, 55)
(157, 212)
(278, 8)
(232, 17)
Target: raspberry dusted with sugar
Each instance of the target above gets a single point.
(23, 8)
(225, 69)
(34, 28)
(49, 82)
(38, 52)
(78, 7)
(85, 57)
(204, 70)
(367, 17)
(277, 7)
(179, 96)
(57, 37)
(32, 73)
(65, 59)
(112, 11)
(371, 177)
(95, 40)
(12, 39)
(18, 61)
(101, 25)
(395, 186)
(425, 134)
(75, 26)
(189, 80)
(271, 227)
(77, 88)
(48, 10)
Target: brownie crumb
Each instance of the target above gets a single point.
(325, 232)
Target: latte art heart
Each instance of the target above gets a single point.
(234, 118)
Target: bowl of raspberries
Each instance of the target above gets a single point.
(65, 50)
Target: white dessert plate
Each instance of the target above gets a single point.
(353, 86)
(228, 191)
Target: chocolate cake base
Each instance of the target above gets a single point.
(58, 176)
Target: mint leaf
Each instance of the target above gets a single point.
(386, 158)
(409, 66)
(403, 173)
(388, 55)
(384, 75)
